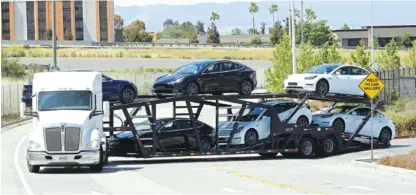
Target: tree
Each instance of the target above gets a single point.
(176, 30)
(68, 35)
(306, 58)
(345, 27)
(310, 15)
(156, 36)
(236, 31)
(200, 28)
(254, 8)
(118, 22)
(389, 57)
(168, 23)
(256, 40)
(49, 34)
(329, 54)
(360, 56)
(136, 32)
(252, 31)
(193, 38)
(411, 58)
(273, 9)
(406, 41)
(281, 65)
(263, 28)
(214, 17)
(11, 67)
(212, 34)
(276, 34)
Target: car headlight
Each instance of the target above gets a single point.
(176, 81)
(34, 146)
(239, 128)
(310, 77)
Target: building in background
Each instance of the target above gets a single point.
(86, 20)
(351, 38)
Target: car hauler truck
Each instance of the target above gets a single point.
(67, 120)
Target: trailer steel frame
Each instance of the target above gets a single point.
(283, 137)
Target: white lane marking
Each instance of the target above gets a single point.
(361, 188)
(97, 193)
(19, 169)
(231, 190)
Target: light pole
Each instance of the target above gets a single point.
(290, 22)
(372, 64)
(301, 8)
(54, 35)
(293, 39)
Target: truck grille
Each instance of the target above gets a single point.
(72, 138)
(54, 138)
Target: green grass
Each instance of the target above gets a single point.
(244, 54)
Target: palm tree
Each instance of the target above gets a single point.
(253, 9)
(214, 17)
(273, 9)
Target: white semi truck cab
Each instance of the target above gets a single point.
(67, 112)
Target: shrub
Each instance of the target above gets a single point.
(256, 40)
(11, 68)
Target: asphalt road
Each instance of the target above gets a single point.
(245, 174)
(106, 64)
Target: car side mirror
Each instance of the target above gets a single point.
(106, 108)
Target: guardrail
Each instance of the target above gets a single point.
(148, 45)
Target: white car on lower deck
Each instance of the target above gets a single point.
(328, 78)
(348, 118)
(254, 125)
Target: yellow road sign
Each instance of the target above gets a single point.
(371, 85)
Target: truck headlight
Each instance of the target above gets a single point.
(94, 140)
(34, 146)
(93, 145)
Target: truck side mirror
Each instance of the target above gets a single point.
(106, 108)
(22, 110)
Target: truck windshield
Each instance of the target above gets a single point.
(65, 100)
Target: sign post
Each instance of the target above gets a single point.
(371, 86)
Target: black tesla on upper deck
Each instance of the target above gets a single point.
(208, 76)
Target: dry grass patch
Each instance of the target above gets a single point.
(406, 161)
(10, 118)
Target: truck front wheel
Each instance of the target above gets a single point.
(99, 167)
(33, 168)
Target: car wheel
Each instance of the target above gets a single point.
(246, 87)
(385, 136)
(322, 88)
(127, 95)
(302, 121)
(192, 89)
(339, 123)
(250, 138)
(307, 147)
(205, 144)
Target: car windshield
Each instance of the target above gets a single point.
(146, 125)
(322, 69)
(250, 114)
(340, 109)
(65, 100)
(191, 68)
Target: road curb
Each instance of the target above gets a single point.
(384, 168)
(15, 124)
(405, 137)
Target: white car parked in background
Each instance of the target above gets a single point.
(328, 78)
(254, 124)
(348, 118)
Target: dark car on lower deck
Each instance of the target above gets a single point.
(208, 77)
(174, 134)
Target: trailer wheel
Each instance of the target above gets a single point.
(329, 147)
(33, 168)
(307, 147)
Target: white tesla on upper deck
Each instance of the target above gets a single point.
(328, 78)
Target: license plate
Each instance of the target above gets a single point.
(62, 158)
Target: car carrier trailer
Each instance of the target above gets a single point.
(287, 139)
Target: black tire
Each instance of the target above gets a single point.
(322, 88)
(339, 123)
(206, 144)
(192, 89)
(329, 147)
(99, 167)
(127, 95)
(33, 168)
(385, 137)
(302, 121)
(246, 87)
(307, 147)
(268, 155)
(251, 137)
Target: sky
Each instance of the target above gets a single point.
(189, 2)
